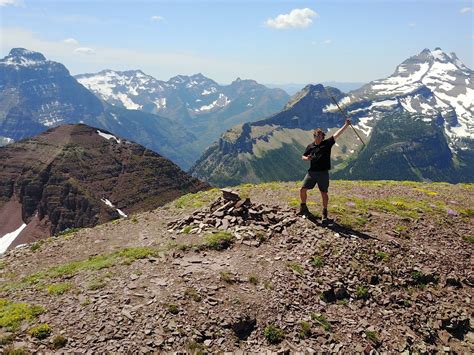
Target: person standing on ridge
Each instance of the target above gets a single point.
(319, 154)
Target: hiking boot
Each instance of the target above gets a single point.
(303, 209)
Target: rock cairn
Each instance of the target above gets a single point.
(231, 213)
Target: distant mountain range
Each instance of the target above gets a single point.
(76, 176)
(292, 89)
(196, 102)
(37, 94)
(430, 96)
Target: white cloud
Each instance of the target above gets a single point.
(412, 25)
(297, 18)
(157, 18)
(328, 41)
(467, 10)
(18, 3)
(71, 41)
(84, 50)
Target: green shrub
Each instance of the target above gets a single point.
(59, 342)
(295, 267)
(218, 241)
(41, 331)
(469, 239)
(316, 261)
(305, 329)
(253, 279)
(192, 293)
(322, 321)
(96, 285)
(372, 336)
(12, 314)
(226, 277)
(381, 255)
(6, 339)
(35, 246)
(273, 334)
(11, 350)
(59, 288)
(173, 309)
(362, 292)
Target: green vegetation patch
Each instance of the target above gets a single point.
(187, 229)
(468, 239)
(93, 263)
(317, 261)
(362, 292)
(68, 231)
(372, 336)
(295, 267)
(421, 279)
(96, 285)
(193, 293)
(59, 342)
(218, 240)
(226, 277)
(12, 314)
(41, 331)
(305, 329)
(322, 321)
(172, 308)
(196, 200)
(273, 334)
(253, 279)
(59, 288)
(381, 255)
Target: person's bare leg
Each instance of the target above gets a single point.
(303, 195)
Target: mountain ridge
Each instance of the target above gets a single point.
(67, 176)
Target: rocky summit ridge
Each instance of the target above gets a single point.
(392, 272)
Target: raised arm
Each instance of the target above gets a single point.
(342, 129)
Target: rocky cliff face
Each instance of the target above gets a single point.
(78, 176)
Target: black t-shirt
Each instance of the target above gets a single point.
(321, 154)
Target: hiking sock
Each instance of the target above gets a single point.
(303, 208)
(325, 213)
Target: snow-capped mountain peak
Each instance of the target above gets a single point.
(23, 57)
(432, 83)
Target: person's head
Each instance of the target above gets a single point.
(318, 135)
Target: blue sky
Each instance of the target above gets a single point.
(269, 41)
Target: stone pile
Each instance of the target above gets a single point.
(230, 213)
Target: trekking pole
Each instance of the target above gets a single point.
(347, 117)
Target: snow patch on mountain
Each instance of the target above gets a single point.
(160, 103)
(212, 90)
(9, 238)
(108, 136)
(222, 101)
(108, 203)
(127, 102)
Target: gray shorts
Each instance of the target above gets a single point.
(316, 177)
